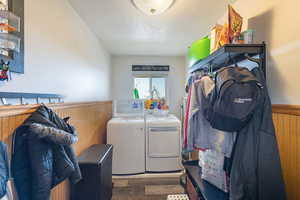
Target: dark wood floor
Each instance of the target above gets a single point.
(145, 188)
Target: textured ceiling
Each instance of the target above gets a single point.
(124, 30)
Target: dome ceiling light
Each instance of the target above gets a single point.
(153, 7)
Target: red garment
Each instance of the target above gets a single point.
(200, 149)
(186, 120)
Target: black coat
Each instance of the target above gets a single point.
(256, 171)
(42, 155)
(4, 170)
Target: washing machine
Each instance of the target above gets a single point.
(127, 135)
(126, 132)
(163, 145)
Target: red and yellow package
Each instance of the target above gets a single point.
(235, 23)
(214, 37)
(224, 36)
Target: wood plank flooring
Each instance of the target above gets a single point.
(146, 188)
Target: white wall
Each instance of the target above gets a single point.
(277, 23)
(122, 79)
(61, 55)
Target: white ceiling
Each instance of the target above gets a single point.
(124, 30)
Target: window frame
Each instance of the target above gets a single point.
(151, 76)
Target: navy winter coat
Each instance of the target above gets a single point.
(4, 170)
(42, 155)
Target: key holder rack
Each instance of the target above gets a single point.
(37, 97)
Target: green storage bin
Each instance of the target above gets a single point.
(198, 51)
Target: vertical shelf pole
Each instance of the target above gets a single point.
(264, 59)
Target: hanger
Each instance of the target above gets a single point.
(211, 70)
(229, 59)
(257, 61)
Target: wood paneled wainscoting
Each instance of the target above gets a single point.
(287, 123)
(89, 118)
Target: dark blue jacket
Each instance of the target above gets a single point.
(4, 170)
(42, 155)
(256, 171)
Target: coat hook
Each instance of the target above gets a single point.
(4, 102)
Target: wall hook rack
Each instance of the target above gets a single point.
(37, 97)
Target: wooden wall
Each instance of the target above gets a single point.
(89, 118)
(287, 124)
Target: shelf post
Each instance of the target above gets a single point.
(264, 59)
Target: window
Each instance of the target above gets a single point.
(151, 87)
(143, 87)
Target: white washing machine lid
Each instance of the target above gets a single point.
(127, 120)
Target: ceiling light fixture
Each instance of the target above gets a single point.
(153, 7)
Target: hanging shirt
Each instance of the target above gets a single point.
(186, 119)
(200, 133)
(188, 112)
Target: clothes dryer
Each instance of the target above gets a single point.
(163, 144)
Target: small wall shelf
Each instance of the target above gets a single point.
(12, 23)
(9, 42)
(9, 22)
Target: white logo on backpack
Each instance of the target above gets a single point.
(242, 100)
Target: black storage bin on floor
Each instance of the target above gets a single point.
(96, 168)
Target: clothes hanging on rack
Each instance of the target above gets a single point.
(200, 134)
(215, 144)
(190, 82)
(42, 155)
(192, 78)
(186, 119)
(186, 116)
(254, 164)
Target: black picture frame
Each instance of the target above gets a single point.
(152, 68)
